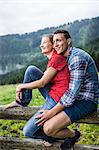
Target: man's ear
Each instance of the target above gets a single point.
(69, 41)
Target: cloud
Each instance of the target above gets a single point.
(21, 16)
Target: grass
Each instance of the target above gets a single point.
(90, 133)
(7, 95)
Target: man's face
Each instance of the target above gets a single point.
(60, 43)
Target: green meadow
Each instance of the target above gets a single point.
(90, 133)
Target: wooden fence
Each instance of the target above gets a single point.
(24, 113)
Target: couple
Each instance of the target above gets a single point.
(70, 94)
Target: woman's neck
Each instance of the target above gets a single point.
(49, 55)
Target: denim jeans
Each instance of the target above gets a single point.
(31, 129)
(32, 74)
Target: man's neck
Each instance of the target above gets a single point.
(67, 52)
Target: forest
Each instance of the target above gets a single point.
(19, 51)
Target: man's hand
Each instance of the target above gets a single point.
(43, 117)
(47, 114)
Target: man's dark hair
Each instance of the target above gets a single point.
(66, 33)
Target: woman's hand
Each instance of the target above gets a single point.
(19, 88)
(19, 92)
(18, 96)
(43, 117)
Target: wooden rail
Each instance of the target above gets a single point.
(24, 113)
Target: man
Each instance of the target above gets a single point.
(80, 99)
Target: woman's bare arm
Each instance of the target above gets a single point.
(48, 75)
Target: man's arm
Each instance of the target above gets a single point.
(77, 75)
(78, 67)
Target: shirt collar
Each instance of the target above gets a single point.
(70, 51)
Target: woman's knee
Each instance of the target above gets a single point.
(29, 129)
(27, 132)
(30, 69)
(33, 72)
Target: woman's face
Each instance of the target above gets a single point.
(46, 45)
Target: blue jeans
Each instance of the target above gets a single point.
(31, 129)
(32, 74)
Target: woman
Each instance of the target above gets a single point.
(57, 73)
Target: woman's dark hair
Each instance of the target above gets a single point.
(66, 33)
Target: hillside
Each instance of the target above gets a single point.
(18, 51)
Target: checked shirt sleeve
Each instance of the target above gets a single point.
(77, 73)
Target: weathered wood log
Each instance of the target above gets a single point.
(34, 144)
(17, 113)
(24, 113)
(23, 144)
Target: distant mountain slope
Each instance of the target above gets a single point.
(17, 51)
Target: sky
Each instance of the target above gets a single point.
(25, 16)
